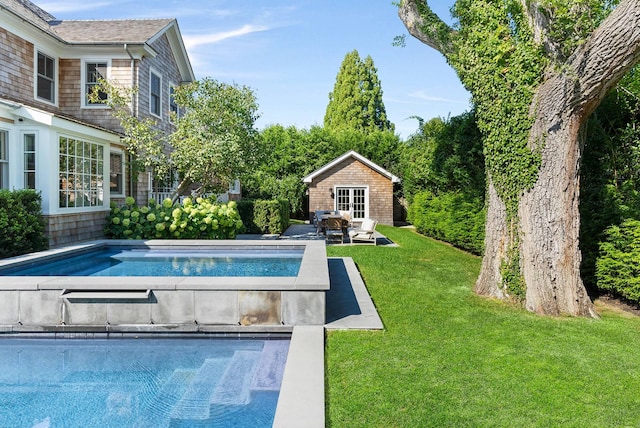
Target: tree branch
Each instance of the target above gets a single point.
(539, 24)
(611, 51)
(425, 25)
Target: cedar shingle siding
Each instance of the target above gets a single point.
(351, 172)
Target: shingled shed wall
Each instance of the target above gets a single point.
(353, 173)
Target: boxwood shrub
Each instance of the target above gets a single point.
(264, 216)
(199, 219)
(21, 223)
(618, 263)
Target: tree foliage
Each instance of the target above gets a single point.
(356, 101)
(215, 140)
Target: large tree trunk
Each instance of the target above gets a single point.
(548, 221)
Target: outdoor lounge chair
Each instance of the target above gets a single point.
(365, 233)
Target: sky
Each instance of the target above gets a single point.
(289, 52)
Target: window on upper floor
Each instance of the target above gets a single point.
(4, 160)
(45, 77)
(155, 94)
(174, 110)
(93, 72)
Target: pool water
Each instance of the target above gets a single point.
(140, 382)
(158, 262)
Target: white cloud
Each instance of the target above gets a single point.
(422, 96)
(191, 41)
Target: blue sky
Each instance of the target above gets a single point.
(289, 52)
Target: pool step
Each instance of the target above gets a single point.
(270, 368)
(158, 412)
(233, 388)
(194, 403)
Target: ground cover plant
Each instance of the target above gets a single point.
(448, 357)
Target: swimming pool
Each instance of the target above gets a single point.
(145, 261)
(169, 302)
(151, 382)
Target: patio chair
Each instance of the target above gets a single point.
(365, 233)
(333, 231)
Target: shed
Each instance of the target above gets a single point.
(354, 184)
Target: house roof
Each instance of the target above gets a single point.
(125, 32)
(351, 154)
(134, 31)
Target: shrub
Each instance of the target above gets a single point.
(262, 216)
(451, 217)
(21, 223)
(201, 219)
(618, 263)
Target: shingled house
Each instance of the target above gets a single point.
(354, 184)
(52, 138)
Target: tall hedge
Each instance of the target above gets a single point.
(618, 264)
(264, 216)
(452, 217)
(21, 223)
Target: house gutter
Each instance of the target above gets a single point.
(134, 108)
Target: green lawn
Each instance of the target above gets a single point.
(448, 358)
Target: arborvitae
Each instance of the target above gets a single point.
(356, 100)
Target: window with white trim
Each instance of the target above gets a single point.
(45, 77)
(93, 72)
(4, 160)
(29, 150)
(81, 168)
(155, 94)
(174, 110)
(116, 173)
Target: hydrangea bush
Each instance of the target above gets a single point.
(199, 219)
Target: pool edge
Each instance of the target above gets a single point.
(301, 401)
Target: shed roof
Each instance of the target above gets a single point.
(351, 154)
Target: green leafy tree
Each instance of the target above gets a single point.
(215, 141)
(356, 101)
(536, 71)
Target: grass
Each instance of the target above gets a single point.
(450, 358)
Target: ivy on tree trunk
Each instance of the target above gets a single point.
(536, 71)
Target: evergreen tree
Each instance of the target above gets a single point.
(356, 100)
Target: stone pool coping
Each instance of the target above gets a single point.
(312, 276)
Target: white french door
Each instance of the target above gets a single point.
(354, 200)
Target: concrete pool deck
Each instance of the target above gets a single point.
(349, 306)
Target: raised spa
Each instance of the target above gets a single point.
(270, 283)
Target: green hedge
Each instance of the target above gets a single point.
(21, 223)
(450, 217)
(618, 263)
(263, 216)
(199, 219)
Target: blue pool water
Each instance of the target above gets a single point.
(169, 262)
(140, 382)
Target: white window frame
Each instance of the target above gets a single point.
(4, 159)
(367, 201)
(25, 170)
(83, 82)
(36, 75)
(77, 186)
(172, 103)
(123, 174)
(152, 73)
